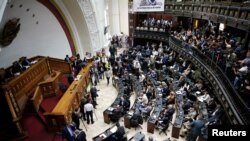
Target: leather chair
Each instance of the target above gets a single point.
(164, 127)
(135, 121)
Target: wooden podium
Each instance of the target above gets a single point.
(50, 86)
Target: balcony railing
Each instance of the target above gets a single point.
(235, 107)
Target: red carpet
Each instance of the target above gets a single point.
(48, 104)
(34, 124)
(37, 131)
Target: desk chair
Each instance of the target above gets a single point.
(146, 115)
(115, 116)
(124, 137)
(135, 123)
(163, 128)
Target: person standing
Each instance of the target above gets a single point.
(195, 129)
(108, 74)
(88, 110)
(93, 92)
(76, 115)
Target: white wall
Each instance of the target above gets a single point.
(2, 8)
(46, 38)
(123, 8)
(99, 8)
(118, 14)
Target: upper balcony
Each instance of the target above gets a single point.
(234, 13)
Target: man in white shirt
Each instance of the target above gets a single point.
(88, 110)
(108, 74)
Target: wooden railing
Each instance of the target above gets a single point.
(49, 86)
(59, 65)
(235, 108)
(18, 89)
(61, 114)
(37, 98)
(23, 85)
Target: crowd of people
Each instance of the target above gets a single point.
(173, 74)
(224, 49)
(153, 23)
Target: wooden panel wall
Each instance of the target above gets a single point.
(59, 65)
(61, 114)
(23, 85)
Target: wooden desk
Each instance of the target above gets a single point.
(18, 89)
(61, 114)
(106, 117)
(157, 109)
(137, 137)
(106, 135)
(49, 86)
(127, 121)
(150, 127)
(179, 116)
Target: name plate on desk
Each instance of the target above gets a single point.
(78, 77)
(110, 109)
(103, 136)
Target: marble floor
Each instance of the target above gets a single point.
(107, 95)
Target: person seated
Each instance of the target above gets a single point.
(143, 99)
(166, 115)
(186, 106)
(147, 109)
(136, 119)
(215, 116)
(116, 114)
(186, 127)
(68, 132)
(17, 68)
(24, 62)
(205, 98)
(171, 98)
(191, 114)
(80, 135)
(72, 134)
(119, 134)
(125, 104)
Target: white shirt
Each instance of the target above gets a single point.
(108, 73)
(88, 107)
(141, 77)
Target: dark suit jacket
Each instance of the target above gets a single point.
(120, 132)
(125, 104)
(67, 134)
(81, 136)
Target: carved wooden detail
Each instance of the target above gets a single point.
(89, 15)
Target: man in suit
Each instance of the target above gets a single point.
(195, 131)
(93, 92)
(68, 132)
(215, 116)
(124, 104)
(120, 132)
(76, 115)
